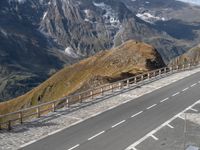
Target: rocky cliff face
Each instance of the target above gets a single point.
(126, 60)
(38, 37)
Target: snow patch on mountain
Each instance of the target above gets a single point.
(110, 16)
(147, 17)
(70, 52)
(44, 16)
(195, 2)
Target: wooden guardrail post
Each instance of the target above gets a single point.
(20, 117)
(9, 125)
(80, 98)
(154, 74)
(159, 71)
(119, 85)
(38, 112)
(111, 87)
(135, 80)
(101, 91)
(128, 83)
(53, 107)
(67, 102)
(148, 76)
(91, 95)
(183, 67)
(142, 77)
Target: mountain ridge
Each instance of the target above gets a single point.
(104, 67)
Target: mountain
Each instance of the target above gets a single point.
(107, 66)
(191, 56)
(39, 37)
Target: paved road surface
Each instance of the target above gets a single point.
(120, 127)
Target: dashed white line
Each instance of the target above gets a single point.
(118, 123)
(96, 135)
(176, 94)
(170, 126)
(193, 109)
(193, 85)
(151, 106)
(185, 89)
(154, 137)
(164, 100)
(74, 147)
(136, 114)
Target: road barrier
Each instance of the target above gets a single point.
(8, 120)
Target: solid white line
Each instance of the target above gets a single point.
(170, 126)
(118, 123)
(185, 89)
(155, 138)
(96, 135)
(193, 85)
(176, 94)
(136, 114)
(164, 100)
(74, 147)
(159, 127)
(193, 109)
(31, 142)
(151, 106)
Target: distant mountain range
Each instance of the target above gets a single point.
(39, 37)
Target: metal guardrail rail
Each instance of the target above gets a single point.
(7, 120)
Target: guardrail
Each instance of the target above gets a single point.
(7, 120)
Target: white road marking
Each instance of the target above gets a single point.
(96, 135)
(193, 85)
(176, 94)
(74, 147)
(136, 114)
(160, 127)
(170, 126)
(31, 142)
(185, 89)
(199, 82)
(181, 117)
(154, 137)
(164, 100)
(193, 109)
(151, 106)
(118, 123)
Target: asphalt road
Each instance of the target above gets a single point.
(118, 128)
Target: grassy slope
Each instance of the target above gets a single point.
(131, 57)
